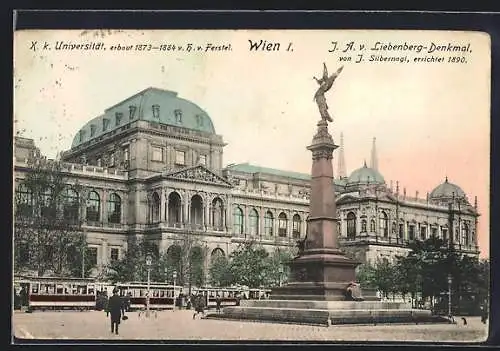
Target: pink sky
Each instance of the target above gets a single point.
(430, 120)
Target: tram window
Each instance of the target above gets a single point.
(141, 292)
(59, 289)
(34, 288)
(91, 289)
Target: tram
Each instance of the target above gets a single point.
(162, 295)
(230, 296)
(47, 293)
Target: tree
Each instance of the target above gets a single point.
(132, 266)
(248, 265)
(220, 272)
(47, 226)
(277, 269)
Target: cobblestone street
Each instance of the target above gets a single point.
(179, 325)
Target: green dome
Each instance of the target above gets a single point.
(152, 104)
(365, 175)
(447, 190)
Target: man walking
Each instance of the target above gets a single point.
(115, 309)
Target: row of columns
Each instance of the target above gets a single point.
(204, 220)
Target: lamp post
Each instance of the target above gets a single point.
(449, 295)
(174, 275)
(149, 261)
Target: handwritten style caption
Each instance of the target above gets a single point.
(401, 52)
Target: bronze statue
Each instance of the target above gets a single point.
(325, 83)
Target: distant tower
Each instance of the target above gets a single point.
(374, 161)
(341, 166)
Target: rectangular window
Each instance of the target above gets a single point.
(105, 124)
(156, 111)
(423, 233)
(434, 232)
(112, 159)
(180, 157)
(157, 154)
(91, 256)
(126, 155)
(445, 234)
(99, 162)
(178, 116)
(118, 118)
(202, 160)
(115, 254)
(411, 232)
(92, 130)
(132, 110)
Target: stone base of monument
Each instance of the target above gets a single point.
(327, 312)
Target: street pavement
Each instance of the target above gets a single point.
(179, 325)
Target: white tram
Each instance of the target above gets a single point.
(230, 296)
(162, 295)
(47, 293)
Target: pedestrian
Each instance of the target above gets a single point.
(23, 296)
(218, 302)
(484, 314)
(199, 305)
(115, 309)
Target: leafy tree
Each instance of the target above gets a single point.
(365, 275)
(47, 226)
(277, 269)
(248, 265)
(220, 272)
(383, 277)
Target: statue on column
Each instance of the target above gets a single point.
(325, 83)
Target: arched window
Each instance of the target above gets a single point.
(155, 208)
(394, 228)
(217, 214)
(217, 253)
(282, 224)
(254, 222)
(384, 225)
(351, 225)
(71, 205)
(93, 207)
(114, 208)
(174, 209)
(372, 225)
(296, 226)
(363, 226)
(238, 221)
(196, 210)
(24, 201)
(268, 223)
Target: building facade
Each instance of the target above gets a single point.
(151, 167)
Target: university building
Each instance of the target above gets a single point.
(151, 167)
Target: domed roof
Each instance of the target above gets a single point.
(365, 175)
(152, 104)
(447, 190)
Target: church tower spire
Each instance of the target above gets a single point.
(374, 160)
(341, 166)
